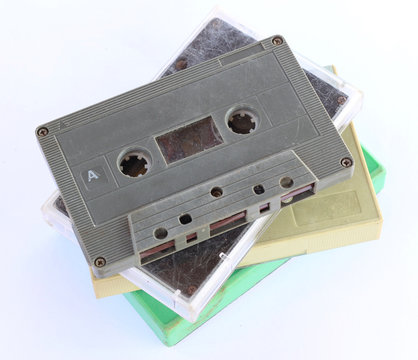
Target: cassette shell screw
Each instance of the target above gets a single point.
(191, 289)
(346, 162)
(100, 262)
(341, 100)
(277, 40)
(181, 64)
(43, 131)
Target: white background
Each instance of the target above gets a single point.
(358, 302)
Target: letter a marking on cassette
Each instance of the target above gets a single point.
(92, 175)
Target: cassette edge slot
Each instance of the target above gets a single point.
(144, 233)
(250, 195)
(215, 228)
(204, 194)
(223, 225)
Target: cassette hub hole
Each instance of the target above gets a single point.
(216, 192)
(286, 182)
(242, 121)
(185, 219)
(160, 233)
(258, 189)
(134, 164)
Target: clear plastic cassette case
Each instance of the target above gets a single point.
(185, 281)
(56, 215)
(220, 33)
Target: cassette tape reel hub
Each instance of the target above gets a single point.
(242, 121)
(134, 163)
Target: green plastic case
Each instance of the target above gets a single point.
(376, 170)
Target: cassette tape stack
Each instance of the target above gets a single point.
(171, 184)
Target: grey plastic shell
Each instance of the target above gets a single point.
(116, 219)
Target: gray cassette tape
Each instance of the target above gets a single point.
(192, 155)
